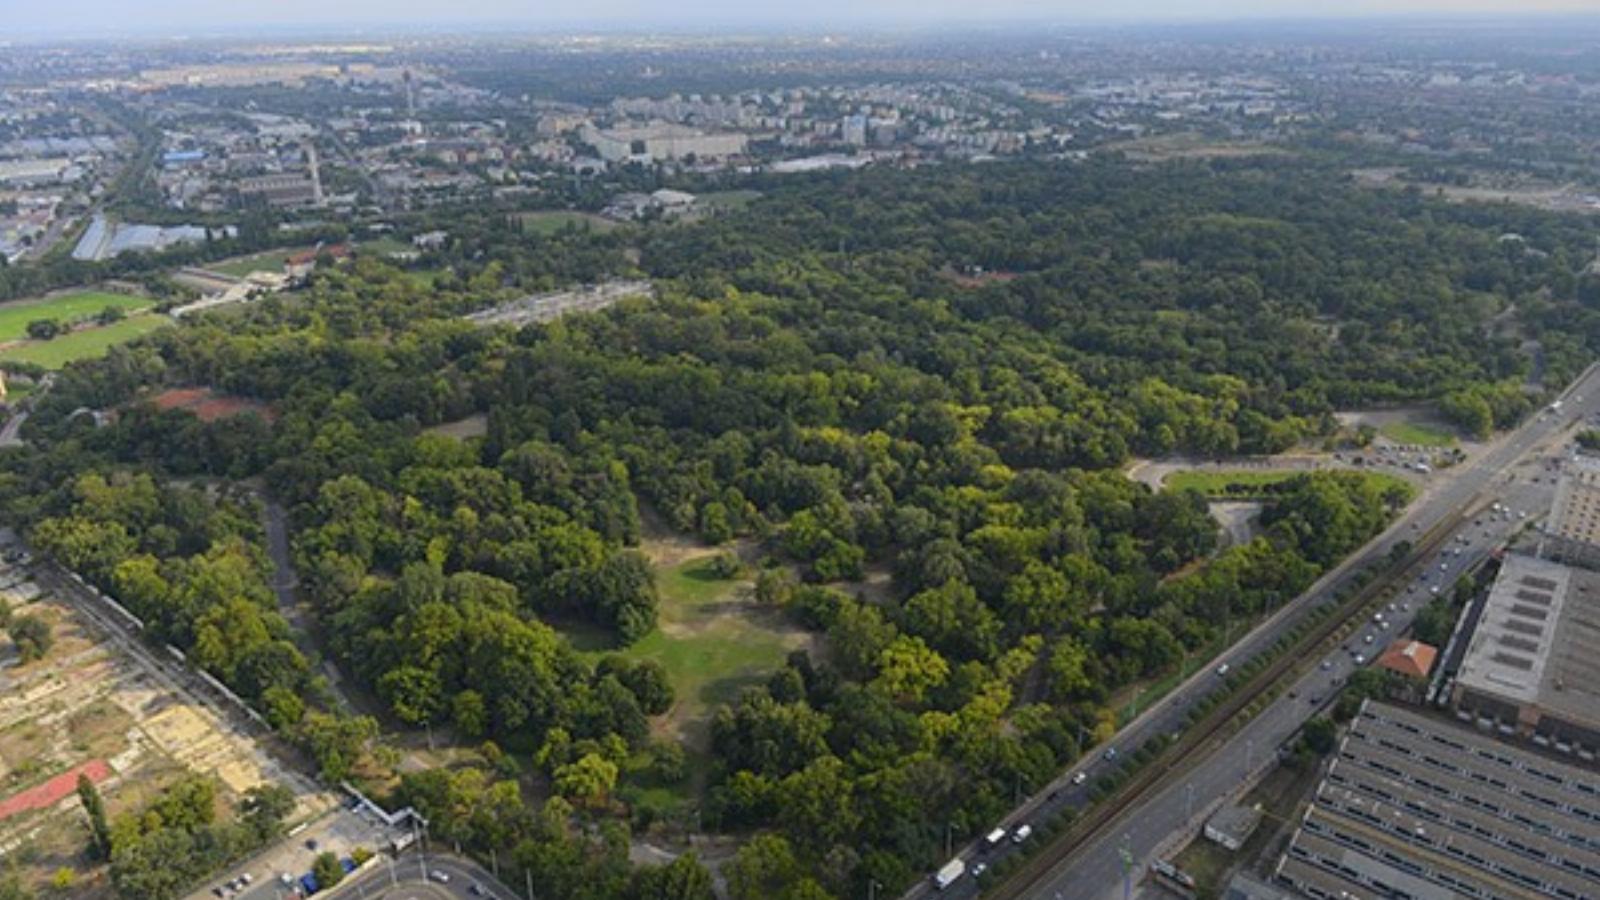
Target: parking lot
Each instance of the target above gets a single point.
(340, 831)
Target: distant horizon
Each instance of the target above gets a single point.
(185, 20)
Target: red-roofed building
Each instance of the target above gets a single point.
(299, 265)
(1411, 660)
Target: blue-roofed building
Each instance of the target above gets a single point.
(173, 158)
(104, 240)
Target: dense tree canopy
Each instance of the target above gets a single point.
(928, 376)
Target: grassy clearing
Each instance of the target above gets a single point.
(14, 317)
(713, 641)
(1245, 484)
(1419, 433)
(265, 261)
(547, 222)
(88, 343)
(385, 246)
(729, 199)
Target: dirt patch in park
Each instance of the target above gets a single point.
(209, 406)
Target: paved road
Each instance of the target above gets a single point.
(1095, 869)
(417, 877)
(297, 611)
(1506, 473)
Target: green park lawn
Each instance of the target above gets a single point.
(1253, 482)
(728, 199)
(1418, 433)
(548, 222)
(711, 643)
(385, 246)
(14, 317)
(265, 261)
(87, 343)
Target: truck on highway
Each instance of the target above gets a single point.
(947, 876)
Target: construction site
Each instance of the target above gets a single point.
(100, 703)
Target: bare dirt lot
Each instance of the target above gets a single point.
(89, 705)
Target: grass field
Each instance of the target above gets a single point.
(1215, 483)
(548, 222)
(1418, 433)
(85, 344)
(14, 317)
(265, 261)
(713, 641)
(729, 199)
(710, 643)
(385, 246)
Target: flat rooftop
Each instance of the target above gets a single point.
(1420, 807)
(1538, 641)
(1575, 512)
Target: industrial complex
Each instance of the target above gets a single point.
(1413, 806)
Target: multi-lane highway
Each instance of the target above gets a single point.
(1513, 470)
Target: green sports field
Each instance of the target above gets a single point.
(14, 317)
(548, 222)
(85, 344)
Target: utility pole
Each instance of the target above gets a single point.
(528, 874)
(949, 837)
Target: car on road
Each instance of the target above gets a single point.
(440, 876)
(1022, 833)
(311, 844)
(1222, 670)
(994, 838)
(1110, 754)
(1080, 778)
(979, 869)
(1326, 665)
(285, 879)
(1361, 659)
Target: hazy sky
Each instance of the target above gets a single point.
(200, 15)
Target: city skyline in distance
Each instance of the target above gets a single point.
(192, 18)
